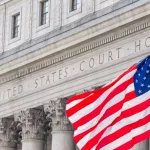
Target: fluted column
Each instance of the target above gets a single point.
(8, 134)
(62, 131)
(144, 145)
(32, 122)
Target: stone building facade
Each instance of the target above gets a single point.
(53, 49)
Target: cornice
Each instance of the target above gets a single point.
(76, 51)
(78, 31)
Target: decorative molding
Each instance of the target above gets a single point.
(79, 50)
(33, 124)
(57, 14)
(2, 29)
(90, 6)
(8, 133)
(28, 18)
(55, 111)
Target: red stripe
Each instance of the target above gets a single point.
(134, 141)
(126, 113)
(108, 113)
(115, 81)
(121, 132)
(82, 104)
(74, 98)
(97, 110)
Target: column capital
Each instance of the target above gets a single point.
(8, 133)
(56, 113)
(33, 124)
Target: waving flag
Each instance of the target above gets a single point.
(115, 117)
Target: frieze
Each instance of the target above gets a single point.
(55, 75)
(90, 6)
(77, 51)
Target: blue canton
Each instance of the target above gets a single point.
(142, 77)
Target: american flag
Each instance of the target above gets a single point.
(115, 117)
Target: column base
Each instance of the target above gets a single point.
(144, 145)
(7, 148)
(63, 140)
(32, 144)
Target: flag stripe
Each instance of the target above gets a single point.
(74, 103)
(90, 141)
(105, 114)
(138, 138)
(76, 97)
(115, 105)
(96, 111)
(125, 125)
(115, 116)
(128, 140)
(80, 117)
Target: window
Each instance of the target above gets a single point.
(75, 4)
(16, 25)
(44, 12)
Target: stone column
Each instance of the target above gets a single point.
(62, 131)
(144, 145)
(33, 123)
(8, 134)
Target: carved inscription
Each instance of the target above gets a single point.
(58, 74)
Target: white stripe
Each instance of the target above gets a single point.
(128, 137)
(99, 128)
(125, 122)
(88, 109)
(130, 119)
(73, 103)
(113, 101)
(136, 101)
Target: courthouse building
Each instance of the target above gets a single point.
(53, 49)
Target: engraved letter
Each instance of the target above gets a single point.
(147, 42)
(53, 76)
(118, 49)
(60, 73)
(8, 92)
(20, 89)
(14, 91)
(91, 63)
(66, 72)
(42, 80)
(82, 69)
(48, 80)
(101, 61)
(138, 46)
(36, 83)
(110, 55)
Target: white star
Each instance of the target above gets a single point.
(136, 81)
(149, 65)
(140, 91)
(147, 71)
(144, 78)
(142, 85)
(148, 86)
(142, 68)
(139, 75)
